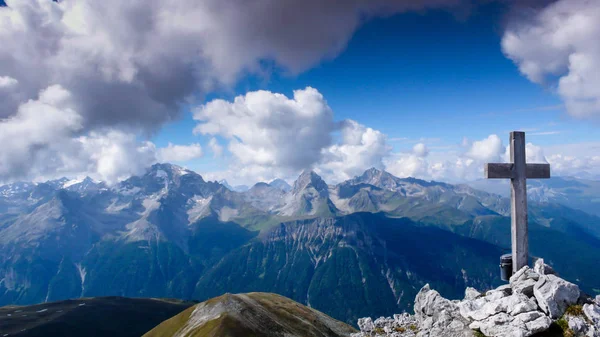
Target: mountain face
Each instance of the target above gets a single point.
(308, 197)
(103, 316)
(253, 314)
(575, 193)
(281, 184)
(170, 233)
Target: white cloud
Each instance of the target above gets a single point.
(215, 147)
(555, 47)
(179, 153)
(113, 155)
(272, 136)
(420, 150)
(134, 62)
(464, 165)
(7, 81)
(361, 148)
(489, 149)
(269, 129)
(45, 140)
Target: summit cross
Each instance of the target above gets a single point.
(518, 171)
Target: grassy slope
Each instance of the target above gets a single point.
(254, 314)
(90, 317)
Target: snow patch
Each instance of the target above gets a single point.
(161, 174)
(82, 274)
(72, 182)
(199, 208)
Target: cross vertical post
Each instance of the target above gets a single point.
(518, 171)
(519, 230)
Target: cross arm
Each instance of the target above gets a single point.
(505, 171)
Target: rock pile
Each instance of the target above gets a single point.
(531, 303)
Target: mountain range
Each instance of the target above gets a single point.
(363, 247)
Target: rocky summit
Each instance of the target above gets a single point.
(536, 302)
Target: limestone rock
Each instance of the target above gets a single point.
(471, 294)
(592, 312)
(577, 324)
(499, 326)
(554, 295)
(525, 307)
(366, 324)
(438, 316)
(543, 269)
(524, 287)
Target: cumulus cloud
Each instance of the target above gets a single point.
(131, 65)
(134, 62)
(269, 129)
(7, 81)
(361, 148)
(215, 147)
(420, 150)
(271, 136)
(555, 47)
(464, 163)
(44, 140)
(489, 149)
(179, 153)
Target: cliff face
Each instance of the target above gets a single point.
(536, 302)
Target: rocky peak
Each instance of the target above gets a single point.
(281, 184)
(309, 179)
(533, 301)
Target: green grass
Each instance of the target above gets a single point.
(478, 333)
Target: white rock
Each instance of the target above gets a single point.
(527, 317)
(592, 312)
(366, 324)
(598, 299)
(543, 269)
(538, 325)
(471, 293)
(499, 326)
(577, 324)
(526, 305)
(554, 295)
(524, 287)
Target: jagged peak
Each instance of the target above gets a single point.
(309, 178)
(281, 184)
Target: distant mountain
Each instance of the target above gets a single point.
(253, 314)
(170, 233)
(308, 197)
(281, 184)
(103, 316)
(238, 188)
(572, 192)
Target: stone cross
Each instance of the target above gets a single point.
(518, 171)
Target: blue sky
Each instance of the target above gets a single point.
(452, 79)
(423, 77)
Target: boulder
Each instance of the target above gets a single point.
(366, 324)
(543, 269)
(554, 295)
(524, 287)
(499, 326)
(577, 324)
(437, 316)
(523, 281)
(592, 312)
(471, 294)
